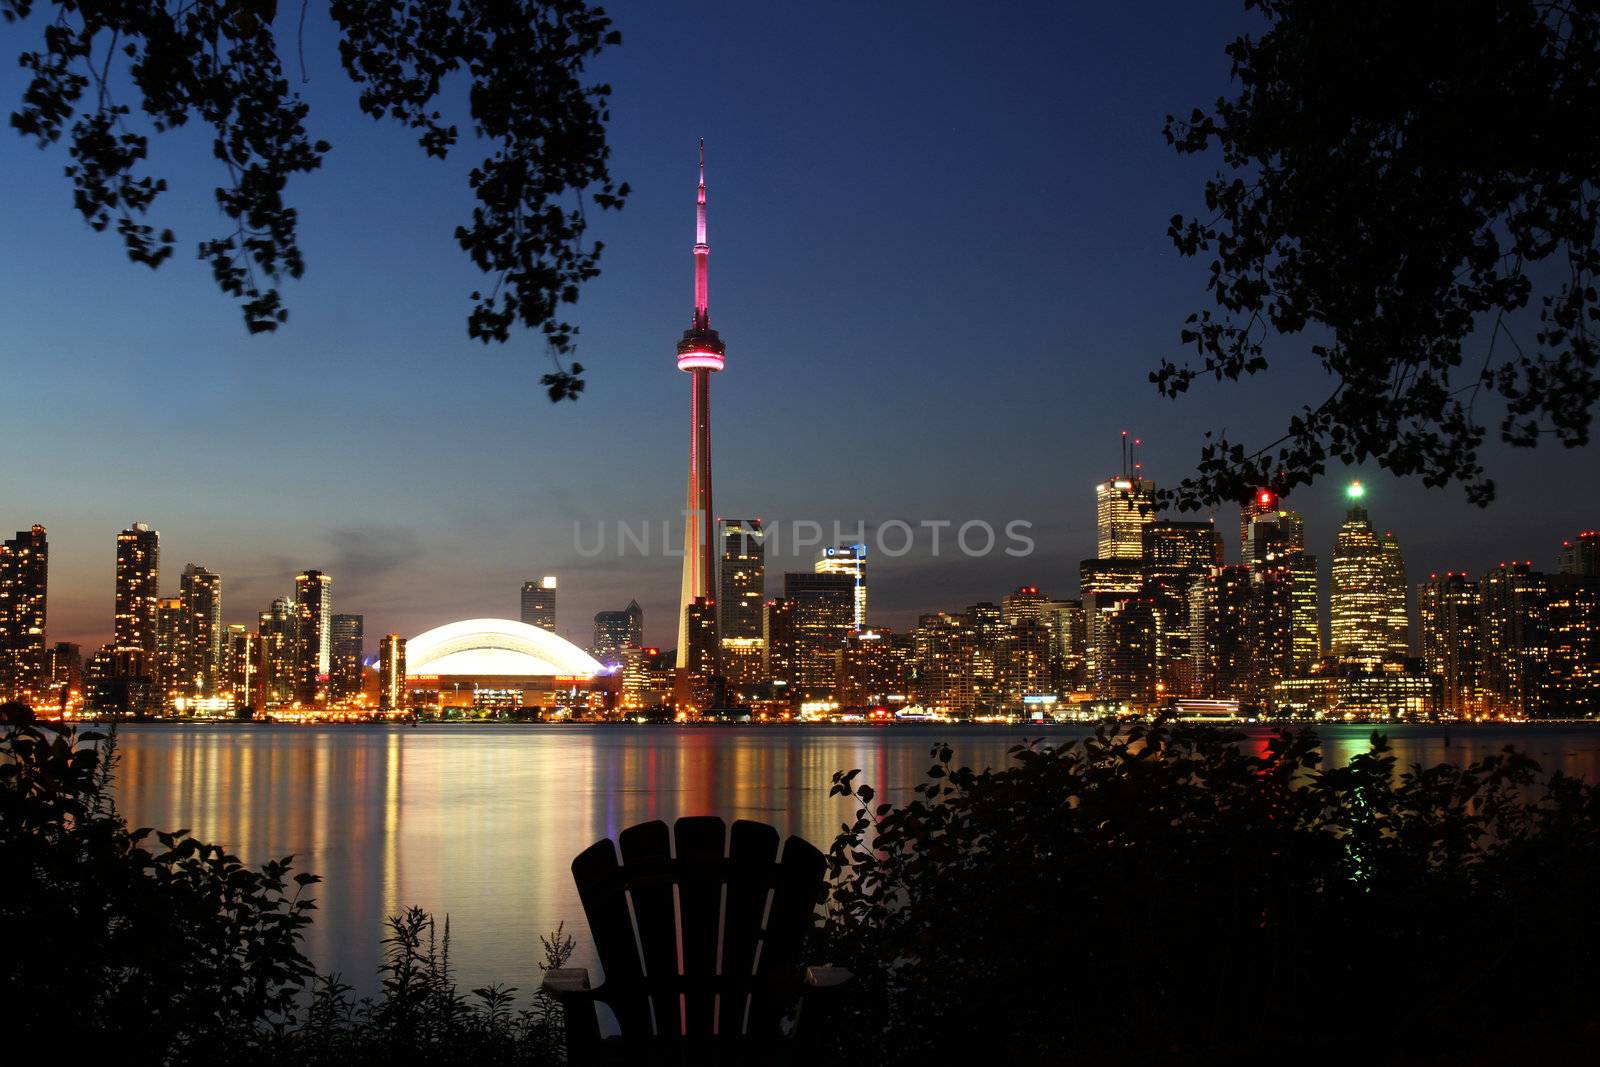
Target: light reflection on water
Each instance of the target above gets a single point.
(482, 822)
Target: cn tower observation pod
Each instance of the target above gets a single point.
(496, 647)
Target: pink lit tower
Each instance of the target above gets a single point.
(700, 352)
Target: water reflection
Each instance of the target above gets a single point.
(481, 823)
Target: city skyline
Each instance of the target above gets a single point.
(216, 439)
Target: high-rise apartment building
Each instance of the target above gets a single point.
(392, 673)
(539, 603)
(942, 663)
(1569, 685)
(1220, 608)
(169, 666)
(313, 599)
(851, 561)
(781, 643)
(200, 592)
(1447, 621)
(348, 647)
(1579, 556)
(698, 677)
(281, 657)
(1513, 618)
(1104, 584)
(1397, 619)
(242, 667)
(138, 585)
(1023, 604)
(617, 630)
(24, 581)
(870, 669)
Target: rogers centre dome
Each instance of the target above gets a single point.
(496, 648)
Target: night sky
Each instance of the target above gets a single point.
(938, 260)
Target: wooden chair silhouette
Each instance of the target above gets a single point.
(699, 930)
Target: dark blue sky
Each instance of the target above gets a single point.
(939, 262)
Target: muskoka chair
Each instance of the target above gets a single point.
(704, 966)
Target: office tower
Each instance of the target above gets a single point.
(987, 622)
(171, 660)
(1276, 537)
(1180, 551)
(696, 690)
(700, 354)
(1123, 505)
(617, 630)
(281, 657)
(824, 612)
(24, 582)
(392, 673)
(200, 591)
(1220, 608)
(1368, 597)
(850, 560)
(1272, 619)
(242, 667)
(539, 603)
(1023, 604)
(781, 643)
(1580, 556)
(1066, 625)
(741, 602)
(1104, 584)
(1176, 555)
(347, 647)
(1512, 619)
(869, 670)
(1447, 621)
(1265, 502)
(138, 582)
(1568, 687)
(942, 664)
(313, 600)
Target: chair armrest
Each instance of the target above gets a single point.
(823, 979)
(566, 983)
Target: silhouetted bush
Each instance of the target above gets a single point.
(182, 954)
(1185, 894)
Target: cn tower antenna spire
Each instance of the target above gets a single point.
(702, 251)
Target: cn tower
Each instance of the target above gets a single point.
(699, 352)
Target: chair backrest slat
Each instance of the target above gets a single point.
(647, 869)
(719, 921)
(702, 849)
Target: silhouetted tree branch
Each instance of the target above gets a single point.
(219, 63)
(1407, 184)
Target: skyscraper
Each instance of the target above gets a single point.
(392, 673)
(741, 601)
(1220, 608)
(138, 583)
(349, 638)
(700, 353)
(1580, 556)
(200, 592)
(313, 600)
(1447, 621)
(1365, 570)
(539, 603)
(1265, 502)
(824, 610)
(850, 560)
(1397, 619)
(1104, 584)
(24, 580)
(1513, 617)
(281, 658)
(242, 667)
(171, 660)
(1123, 507)
(617, 630)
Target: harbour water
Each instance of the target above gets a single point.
(481, 822)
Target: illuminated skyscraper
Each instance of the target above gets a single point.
(313, 599)
(1220, 608)
(539, 603)
(24, 580)
(392, 673)
(824, 610)
(1569, 685)
(1123, 507)
(242, 666)
(1104, 585)
(700, 353)
(1265, 502)
(281, 673)
(1447, 622)
(942, 663)
(741, 602)
(1579, 556)
(200, 591)
(782, 646)
(138, 583)
(849, 560)
(617, 630)
(869, 671)
(1023, 604)
(1513, 617)
(1176, 555)
(171, 661)
(349, 639)
(1365, 572)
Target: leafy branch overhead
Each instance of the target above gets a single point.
(1414, 186)
(219, 64)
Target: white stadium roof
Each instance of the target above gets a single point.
(496, 647)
